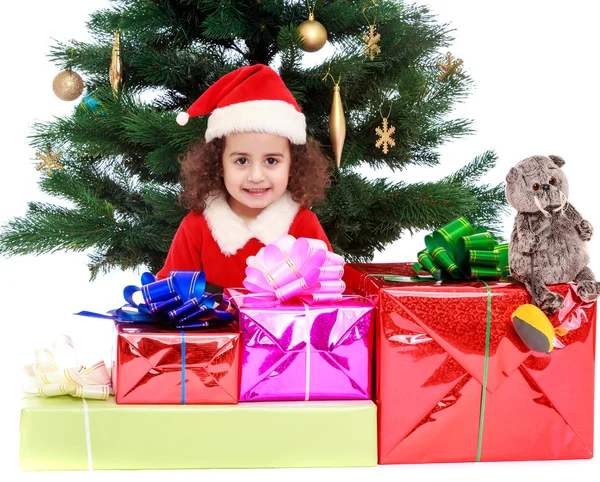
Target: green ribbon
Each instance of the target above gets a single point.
(458, 250)
(485, 370)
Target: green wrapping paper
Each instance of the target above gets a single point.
(269, 434)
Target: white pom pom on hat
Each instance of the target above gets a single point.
(249, 99)
(183, 118)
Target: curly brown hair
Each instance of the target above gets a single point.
(202, 169)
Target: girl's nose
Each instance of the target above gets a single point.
(256, 173)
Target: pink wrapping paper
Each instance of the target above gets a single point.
(299, 352)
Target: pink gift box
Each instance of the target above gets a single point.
(306, 352)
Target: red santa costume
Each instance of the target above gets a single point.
(218, 241)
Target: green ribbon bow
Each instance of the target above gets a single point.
(458, 250)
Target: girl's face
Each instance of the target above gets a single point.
(256, 169)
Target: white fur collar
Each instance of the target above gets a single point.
(232, 233)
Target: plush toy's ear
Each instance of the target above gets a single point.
(512, 175)
(559, 161)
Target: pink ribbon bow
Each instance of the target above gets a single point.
(290, 267)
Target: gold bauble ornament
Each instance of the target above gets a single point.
(312, 34)
(116, 65)
(67, 85)
(337, 125)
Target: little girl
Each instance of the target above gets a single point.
(251, 181)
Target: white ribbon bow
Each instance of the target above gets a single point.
(47, 378)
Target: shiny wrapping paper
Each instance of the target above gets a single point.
(300, 352)
(430, 354)
(291, 434)
(148, 366)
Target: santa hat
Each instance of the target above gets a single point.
(249, 99)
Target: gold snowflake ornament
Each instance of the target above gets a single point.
(450, 68)
(372, 39)
(49, 161)
(385, 136)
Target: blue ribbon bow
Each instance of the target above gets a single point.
(180, 300)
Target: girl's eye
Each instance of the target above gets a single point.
(536, 187)
(271, 161)
(242, 161)
(552, 181)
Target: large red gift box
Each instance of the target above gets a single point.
(430, 359)
(155, 365)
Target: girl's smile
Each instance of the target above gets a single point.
(257, 192)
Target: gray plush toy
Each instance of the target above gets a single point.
(547, 244)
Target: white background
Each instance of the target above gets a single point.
(535, 67)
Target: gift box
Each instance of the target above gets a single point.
(65, 433)
(448, 390)
(157, 365)
(296, 351)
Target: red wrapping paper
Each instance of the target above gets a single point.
(148, 367)
(430, 353)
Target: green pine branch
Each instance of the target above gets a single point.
(363, 216)
(119, 183)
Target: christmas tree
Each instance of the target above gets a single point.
(115, 160)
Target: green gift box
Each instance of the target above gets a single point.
(66, 433)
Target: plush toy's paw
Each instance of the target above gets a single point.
(587, 290)
(585, 230)
(550, 303)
